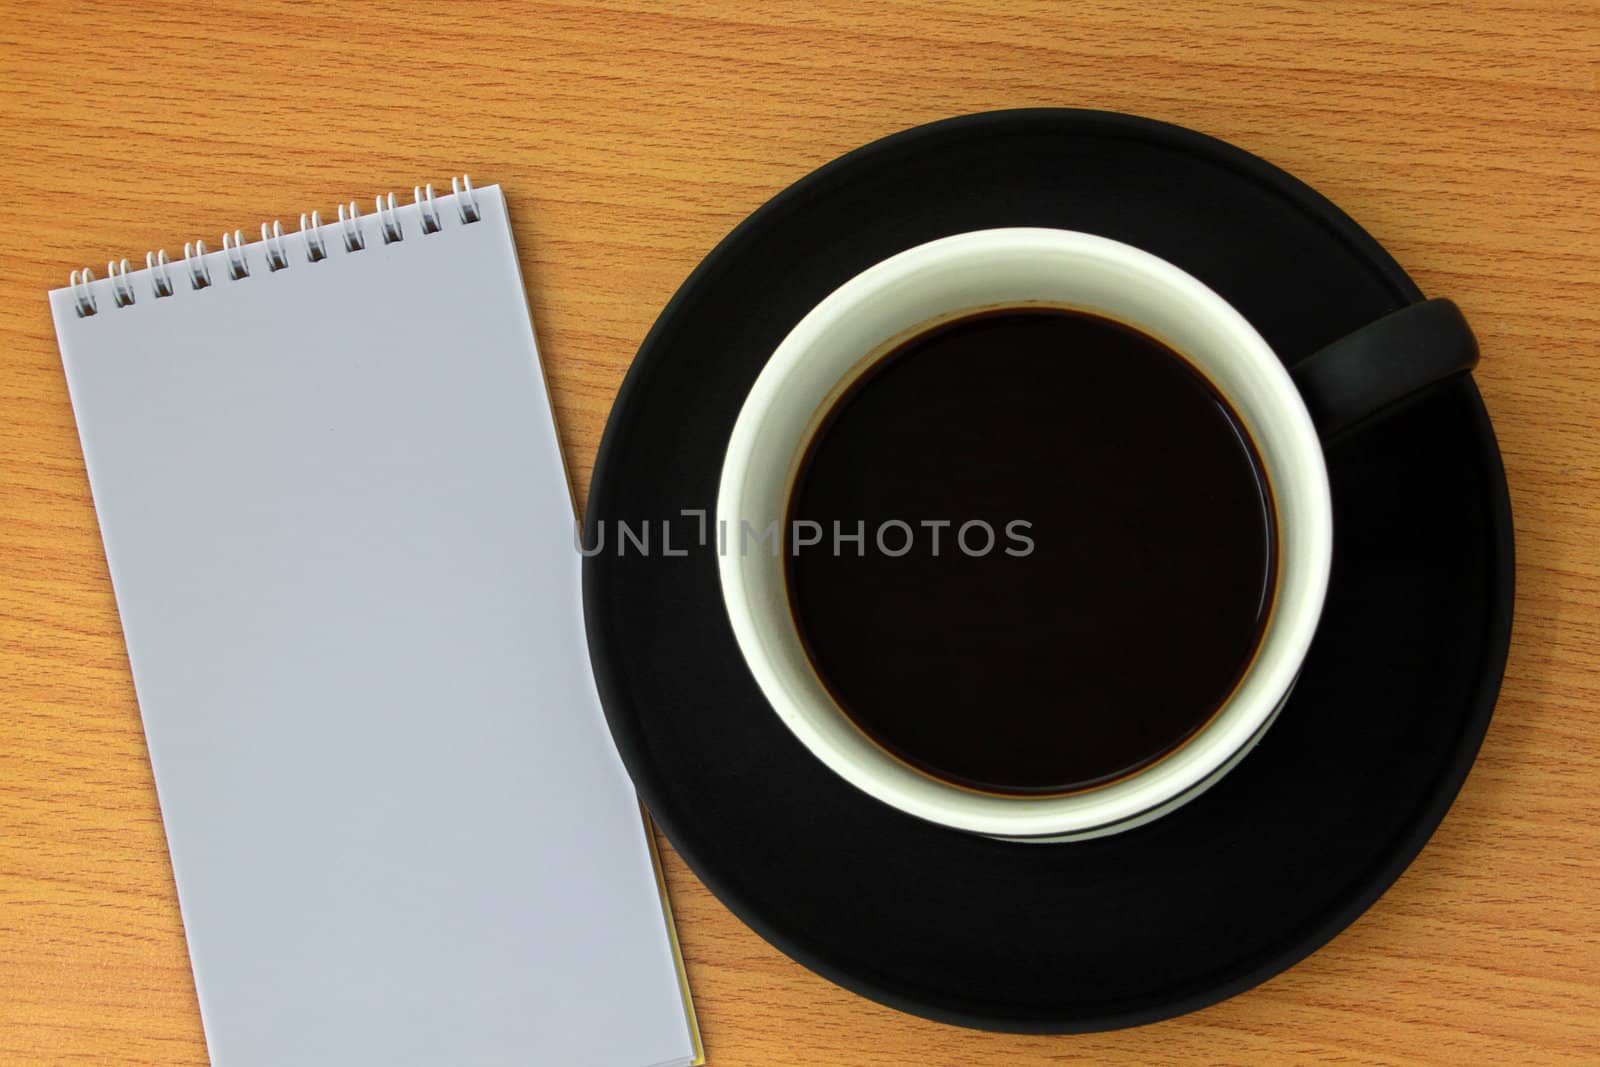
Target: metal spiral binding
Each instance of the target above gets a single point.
(468, 203)
(351, 228)
(158, 268)
(121, 288)
(82, 295)
(427, 209)
(194, 257)
(316, 247)
(277, 255)
(160, 273)
(389, 222)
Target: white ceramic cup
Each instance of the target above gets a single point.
(900, 297)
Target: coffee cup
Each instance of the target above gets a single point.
(1286, 420)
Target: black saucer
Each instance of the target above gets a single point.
(1229, 890)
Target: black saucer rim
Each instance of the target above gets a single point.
(1291, 948)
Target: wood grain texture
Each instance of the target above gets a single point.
(630, 137)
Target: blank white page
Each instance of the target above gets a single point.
(341, 537)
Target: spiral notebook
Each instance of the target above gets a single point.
(340, 535)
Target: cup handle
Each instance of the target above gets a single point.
(1385, 362)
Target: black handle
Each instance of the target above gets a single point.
(1384, 363)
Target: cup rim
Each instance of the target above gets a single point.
(1233, 729)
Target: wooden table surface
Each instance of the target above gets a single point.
(630, 137)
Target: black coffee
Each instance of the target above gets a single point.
(1066, 553)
